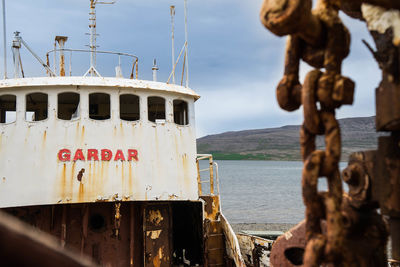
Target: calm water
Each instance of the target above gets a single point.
(262, 191)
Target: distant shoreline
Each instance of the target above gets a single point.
(284, 227)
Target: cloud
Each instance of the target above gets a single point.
(235, 63)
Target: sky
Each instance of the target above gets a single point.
(234, 62)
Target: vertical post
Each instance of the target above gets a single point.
(155, 69)
(210, 160)
(186, 47)
(16, 47)
(61, 41)
(172, 10)
(92, 27)
(198, 176)
(137, 70)
(55, 58)
(4, 40)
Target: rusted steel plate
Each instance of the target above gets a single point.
(22, 245)
(157, 235)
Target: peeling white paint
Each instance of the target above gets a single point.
(35, 176)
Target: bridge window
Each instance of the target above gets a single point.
(36, 107)
(99, 106)
(156, 109)
(181, 112)
(129, 107)
(68, 106)
(8, 108)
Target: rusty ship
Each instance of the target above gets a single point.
(107, 167)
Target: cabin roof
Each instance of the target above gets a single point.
(98, 82)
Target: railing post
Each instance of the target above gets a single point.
(211, 175)
(198, 176)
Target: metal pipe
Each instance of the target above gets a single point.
(173, 70)
(61, 41)
(4, 40)
(36, 56)
(198, 176)
(186, 43)
(155, 69)
(211, 176)
(172, 10)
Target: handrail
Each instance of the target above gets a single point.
(135, 64)
(212, 164)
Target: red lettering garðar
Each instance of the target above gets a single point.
(92, 154)
(132, 154)
(64, 155)
(119, 155)
(79, 155)
(106, 155)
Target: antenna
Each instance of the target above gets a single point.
(186, 46)
(4, 40)
(93, 36)
(172, 10)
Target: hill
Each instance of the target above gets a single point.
(283, 143)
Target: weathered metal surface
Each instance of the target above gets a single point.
(211, 207)
(61, 42)
(158, 228)
(255, 250)
(231, 243)
(23, 245)
(289, 248)
(157, 235)
(160, 166)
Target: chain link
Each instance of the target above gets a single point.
(320, 95)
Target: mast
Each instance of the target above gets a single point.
(4, 40)
(172, 10)
(93, 36)
(186, 45)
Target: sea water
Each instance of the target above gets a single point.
(261, 191)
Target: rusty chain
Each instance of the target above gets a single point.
(325, 46)
(333, 219)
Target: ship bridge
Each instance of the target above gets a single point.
(90, 139)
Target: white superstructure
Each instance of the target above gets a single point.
(90, 139)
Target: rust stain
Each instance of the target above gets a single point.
(157, 258)
(81, 193)
(130, 177)
(123, 176)
(155, 217)
(63, 181)
(83, 134)
(185, 168)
